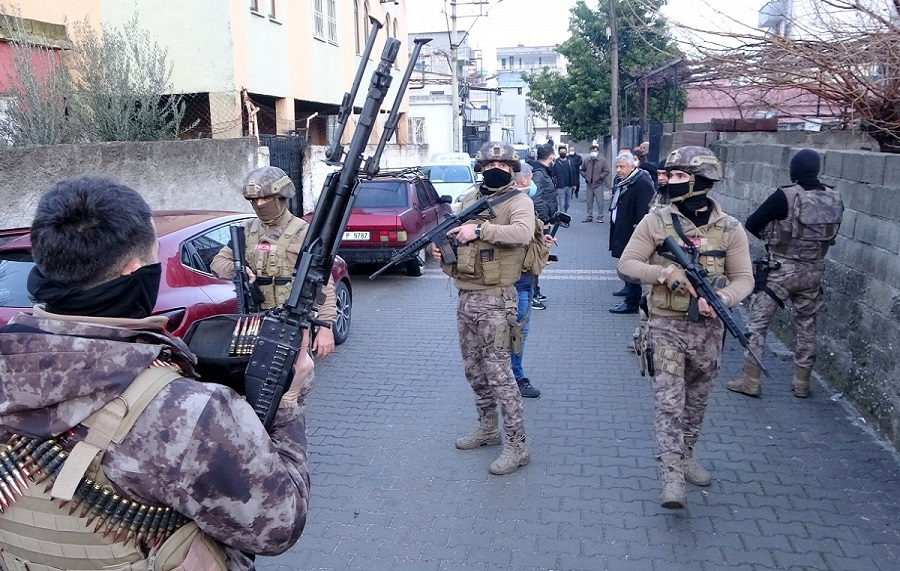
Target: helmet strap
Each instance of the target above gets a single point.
(690, 192)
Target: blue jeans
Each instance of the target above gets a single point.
(564, 196)
(524, 308)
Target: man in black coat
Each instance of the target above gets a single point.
(630, 202)
(575, 161)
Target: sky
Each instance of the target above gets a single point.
(508, 23)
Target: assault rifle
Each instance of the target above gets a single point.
(697, 275)
(270, 368)
(248, 295)
(438, 234)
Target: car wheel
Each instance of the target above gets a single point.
(344, 302)
(415, 265)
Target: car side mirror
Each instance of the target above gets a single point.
(446, 199)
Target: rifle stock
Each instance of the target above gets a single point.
(697, 276)
(270, 368)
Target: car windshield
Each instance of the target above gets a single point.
(382, 194)
(448, 173)
(14, 270)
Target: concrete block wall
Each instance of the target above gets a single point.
(859, 326)
(202, 174)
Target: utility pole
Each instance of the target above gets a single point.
(454, 77)
(614, 99)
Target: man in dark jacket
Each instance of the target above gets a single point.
(545, 201)
(576, 161)
(563, 178)
(630, 202)
(596, 172)
(641, 152)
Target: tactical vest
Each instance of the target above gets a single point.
(78, 520)
(487, 264)
(812, 223)
(711, 257)
(269, 261)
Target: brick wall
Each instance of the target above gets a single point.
(859, 327)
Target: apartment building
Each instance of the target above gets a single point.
(294, 58)
(520, 124)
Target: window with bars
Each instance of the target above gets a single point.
(318, 19)
(332, 21)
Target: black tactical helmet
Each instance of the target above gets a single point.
(497, 152)
(268, 181)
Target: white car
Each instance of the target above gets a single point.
(453, 179)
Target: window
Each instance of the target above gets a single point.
(387, 25)
(272, 12)
(503, 63)
(318, 19)
(382, 194)
(423, 196)
(356, 24)
(396, 29)
(520, 62)
(198, 252)
(254, 5)
(332, 21)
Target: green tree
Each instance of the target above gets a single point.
(123, 76)
(580, 100)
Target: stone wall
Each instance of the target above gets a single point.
(204, 174)
(198, 174)
(859, 326)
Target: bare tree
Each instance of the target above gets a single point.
(40, 86)
(845, 53)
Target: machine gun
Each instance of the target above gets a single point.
(438, 234)
(697, 275)
(249, 296)
(279, 340)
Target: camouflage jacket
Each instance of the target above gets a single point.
(198, 448)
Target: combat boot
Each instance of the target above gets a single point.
(672, 475)
(487, 433)
(515, 454)
(747, 382)
(800, 384)
(693, 471)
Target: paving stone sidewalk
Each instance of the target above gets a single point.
(797, 485)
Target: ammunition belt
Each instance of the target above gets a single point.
(32, 461)
(246, 330)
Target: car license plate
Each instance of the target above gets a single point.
(355, 236)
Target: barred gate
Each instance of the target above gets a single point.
(286, 153)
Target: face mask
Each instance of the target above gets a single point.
(562, 155)
(132, 296)
(270, 211)
(593, 155)
(678, 189)
(496, 178)
(532, 189)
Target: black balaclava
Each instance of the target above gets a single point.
(494, 179)
(805, 169)
(691, 205)
(131, 296)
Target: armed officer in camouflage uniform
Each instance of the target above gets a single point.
(686, 351)
(129, 454)
(798, 223)
(490, 260)
(274, 241)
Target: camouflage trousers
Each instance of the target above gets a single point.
(686, 356)
(801, 283)
(483, 321)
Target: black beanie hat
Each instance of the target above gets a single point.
(805, 165)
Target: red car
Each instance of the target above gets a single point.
(391, 211)
(188, 241)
